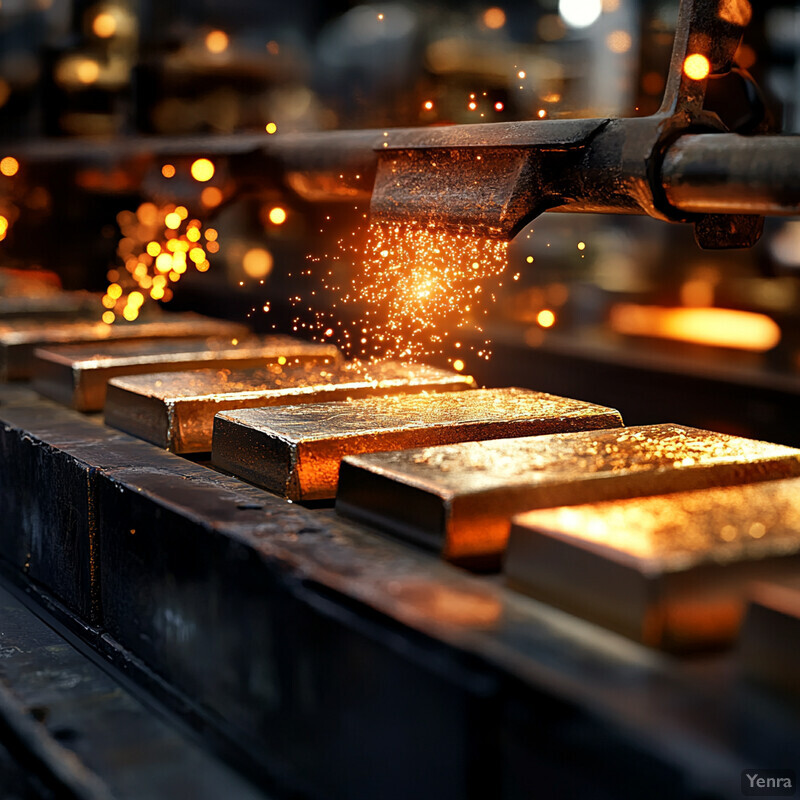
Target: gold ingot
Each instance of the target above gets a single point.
(176, 410)
(19, 340)
(296, 451)
(459, 499)
(671, 571)
(77, 375)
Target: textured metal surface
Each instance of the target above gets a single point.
(80, 735)
(295, 451)
(19, 340)
(669, 571)
(326, 651)
(767, 650)
(76, 375)
(459, 499)
(177, 410)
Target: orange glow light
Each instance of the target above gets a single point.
(257, 262)
(211, 197)
(168, 171)
(172, 221)
(202, 170)
(494, 18)
(271, 128)
(277, 215)
(428, 105)
(104, 25)
(217, 42)
(87, 71)
(9, 166)
(498, 106)
(619, 41)
(546, 318)
(715, 327)
(458, 365)
(697, 67)
(737, 12)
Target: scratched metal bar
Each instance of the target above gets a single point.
(76, 375)
(176, 411)
(459, 499)
(19, 340)
(324, 650)
(671, 571)
(296, 451)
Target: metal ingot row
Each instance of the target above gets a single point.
(76, 375)
(296, 451)
(460, 499)
(176, 410)
(21, 338)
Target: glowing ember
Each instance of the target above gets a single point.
(416, 290)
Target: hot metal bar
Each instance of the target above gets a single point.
(459, 499)
(295, 451)
(671, 571)
(76, 375)
(177, 410)
(19, 340)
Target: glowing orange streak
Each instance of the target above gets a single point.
(716, 327)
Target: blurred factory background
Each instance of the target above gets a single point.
(618, 310)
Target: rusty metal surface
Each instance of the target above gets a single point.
(19, 340)
(672, 571)
(459, 499)
(301, 635)
(177, 410)
(295, 451)
(76, 375)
